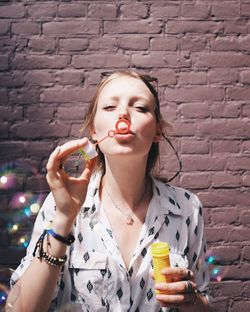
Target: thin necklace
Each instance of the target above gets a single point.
(129, 216)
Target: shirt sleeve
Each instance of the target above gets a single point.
(45, 215)
(197, 252)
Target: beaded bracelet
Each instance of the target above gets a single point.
(54, 261)
(51, 260)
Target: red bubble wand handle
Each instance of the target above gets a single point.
(122, 126)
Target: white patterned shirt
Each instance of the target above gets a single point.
(95, 277)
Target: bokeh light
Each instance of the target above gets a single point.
(4, 291)
(21, 195)
(34, 208)
(5, 274)
(217, 267)
(7, 179)
(3, 180)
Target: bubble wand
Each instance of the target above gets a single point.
(122, 126)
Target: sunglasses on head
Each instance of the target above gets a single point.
(153, 81)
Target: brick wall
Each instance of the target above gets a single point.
(52, 54)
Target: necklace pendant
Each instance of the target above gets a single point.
(130, 220)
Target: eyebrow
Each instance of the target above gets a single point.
(132, 99)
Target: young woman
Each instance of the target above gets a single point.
(115, 210)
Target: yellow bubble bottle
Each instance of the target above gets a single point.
(161, 260)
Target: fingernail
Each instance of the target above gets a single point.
(158, 286)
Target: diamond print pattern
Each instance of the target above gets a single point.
(186, 250)
(130, 272)
(80, 238)
(187, 195)
(76, 271)
(103, 272)
(91, 225)
(171, 201)
(86, 257)
(151, 231)
(151, 264)
(144, 252)
(103, 302)
(109, 233)
(73, 297)
(119, 293)
(177, 235)
(142, 283)
(156, 235)
(200, 210)
(62, 285)
(149, 294)
(196, 230)
(85, 209)
(43, 215)
(194, 257)
(109, 274)
(188, 221)
(166, 221)
(93, 209)
(90, 286)
(131, 301)
(158, 191)
(205, 249)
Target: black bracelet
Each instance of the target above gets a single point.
(54, 261)
(68, 240)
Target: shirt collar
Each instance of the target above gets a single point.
(89, 206)
(165, 195)
(167, 198)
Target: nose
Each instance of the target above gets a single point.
(123, 110)
(124, 116)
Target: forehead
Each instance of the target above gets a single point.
(125, 86)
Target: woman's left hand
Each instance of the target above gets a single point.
(180, 291)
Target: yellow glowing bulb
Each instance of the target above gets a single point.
(34, 208)
(22, 240)
(15, 227)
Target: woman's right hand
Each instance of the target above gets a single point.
(69, 192)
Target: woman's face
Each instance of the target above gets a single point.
(129, 98)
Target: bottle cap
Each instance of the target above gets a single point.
(160, 249)
(89, 151)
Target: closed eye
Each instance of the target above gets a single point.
(142, 109)
(109, 107)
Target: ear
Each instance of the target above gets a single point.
(93, 133)
(157, 136)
